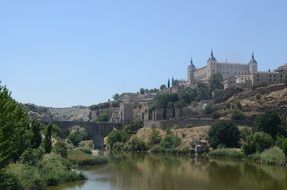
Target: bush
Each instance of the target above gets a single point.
(244, 133)
(57, 170)
(118, 146)
(85, 150)
(237, 115)
(28, 177)
(170, 142)
(273, 155)
(224, 133)
(281, 142)
(209, 109)
(257, 142)
(117, 136)
(216, 115)
(61, 149)
(103, 117)
(135, 145)
(32, 156)
(8, 181)
(226, 152)
(269, 122)
(154, 138)
(78, 136)
(133, 127)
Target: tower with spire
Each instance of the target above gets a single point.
(211, 65)
(252, 64)
(211, 58)
(190, 71)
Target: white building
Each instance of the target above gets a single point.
(227, 69)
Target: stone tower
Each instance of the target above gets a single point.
(252, 64)
(211, 65)
(190, 71)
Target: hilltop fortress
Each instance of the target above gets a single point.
(141, 106)
(235, 74)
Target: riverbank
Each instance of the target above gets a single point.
(272, 156)
(36, 171)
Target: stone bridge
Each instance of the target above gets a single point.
(97, 130)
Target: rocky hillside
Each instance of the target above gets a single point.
(75, 113)
(253, 101)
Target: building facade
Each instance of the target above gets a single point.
(226, 69)
(236, 74)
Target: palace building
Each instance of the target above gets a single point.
(235, 74)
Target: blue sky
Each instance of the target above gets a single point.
(71, 52)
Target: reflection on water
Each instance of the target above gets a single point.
(165, 172)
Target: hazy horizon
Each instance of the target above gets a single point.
(66, 53)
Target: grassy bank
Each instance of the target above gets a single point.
(84, 159)
(51, 170)
(273, 156)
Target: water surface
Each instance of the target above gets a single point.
(167, 172)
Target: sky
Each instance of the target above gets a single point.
(71, 52)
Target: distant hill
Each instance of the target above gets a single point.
(75, 113)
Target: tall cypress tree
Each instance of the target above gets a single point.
(48, 139)
(36, 138)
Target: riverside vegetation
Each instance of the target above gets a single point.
(34, 155)
(265, 142)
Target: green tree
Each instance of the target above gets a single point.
(133, 127)
(257, 142)
(15, 132)
(224, 133)
(135, 145)
(187, 95)
(61, 149)
(269, 122)
(103, 117)
(237, 115)
(170, 142)
(116, 97)
(117, 136)
(154, 138)
(216, 82)
(36, 138)
(32, 156)
(78, 136)
(162, 87)
(202, 91)
(48, 139)
(142, 91)
(168, 83)
(8, 181)
(281, 142)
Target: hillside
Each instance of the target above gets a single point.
(253, 101)
(75, 113)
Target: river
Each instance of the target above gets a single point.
(167, 172)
